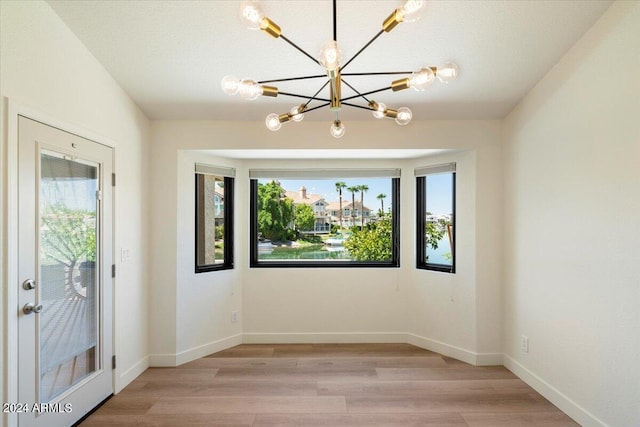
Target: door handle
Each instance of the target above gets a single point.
(29, 284)
(31, 308)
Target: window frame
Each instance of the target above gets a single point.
(229, 194)
(421, 213)
(254, 262)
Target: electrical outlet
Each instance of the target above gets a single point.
(234, 316)
(524, 343)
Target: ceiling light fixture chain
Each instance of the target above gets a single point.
(330, 58)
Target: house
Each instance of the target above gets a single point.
(351, 213)
(328, 213)
(542, 126)
(317, 203)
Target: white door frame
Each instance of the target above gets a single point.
(10, 308)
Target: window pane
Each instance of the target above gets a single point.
(439, 219)
(325, 220)
(210, 207)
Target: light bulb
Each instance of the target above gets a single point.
(330, 55)
(251, 15)
(230, 85)
(273, 122)
(447, 72)
(410, 11)
(404, 116)
(297, 113)
(337, 129)
(422, 79)
(379, 108)
(249, 89)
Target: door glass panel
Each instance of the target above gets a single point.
(68, 281)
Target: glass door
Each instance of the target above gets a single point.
(65, 256)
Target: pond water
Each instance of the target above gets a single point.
(312, 252)
(442, 255)
(322, 252)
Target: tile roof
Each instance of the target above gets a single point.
(312, 198)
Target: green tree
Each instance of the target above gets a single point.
(372, 243)
(69, 237)
(339, 186)
(353, 189)
(304, 217)
(275, 211)
(434, 232)
(381, 197)
(363, 189)
(219, 232)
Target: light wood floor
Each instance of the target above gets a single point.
(328, 385)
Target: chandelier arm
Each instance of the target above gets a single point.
(355, 90)
(367, 93)
(317, 76)
(317, 92)
(380, 73)
(303, 96)
(317, 107)
(358, 106)
(363, 48)
(300, 49)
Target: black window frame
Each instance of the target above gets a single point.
(254, 262)
(229, 196)
(421, 218)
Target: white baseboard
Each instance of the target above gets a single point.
(476, 359)
(563, 402)
(324, 337)
(170, 360)
(206, 349)
(131, 374)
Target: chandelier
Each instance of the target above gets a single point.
(330, 59)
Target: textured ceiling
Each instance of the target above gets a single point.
(171, 55)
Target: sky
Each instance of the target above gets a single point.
(438, 191)
(327, 188)
(439, 194)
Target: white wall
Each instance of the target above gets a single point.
(295, 305)
(456, 314)
(204, 300)
(189, 313)
(45, 68)
(489, 251)
(572, 228)
(325, 304)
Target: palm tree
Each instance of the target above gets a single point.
(381, 197)
(363, 189)
(353, 189)
(339, 186)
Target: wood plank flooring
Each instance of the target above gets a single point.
(328, 385)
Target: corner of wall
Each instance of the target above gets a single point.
(489, 248)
